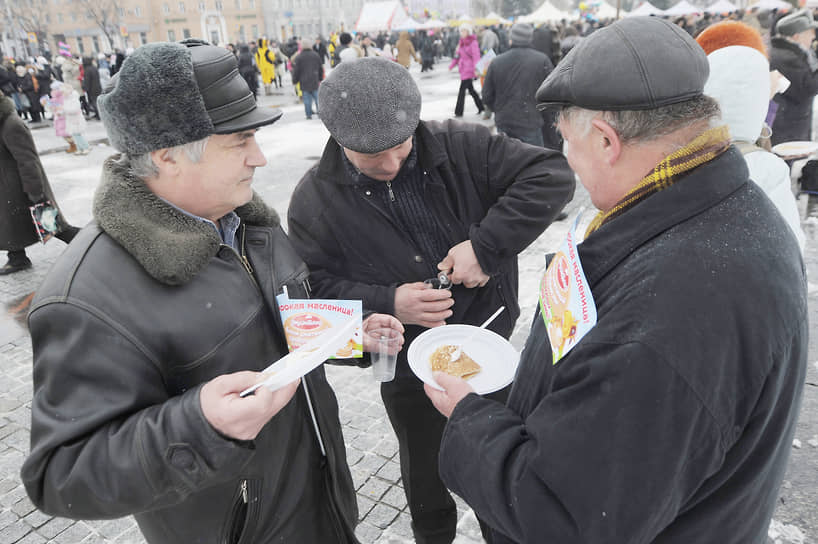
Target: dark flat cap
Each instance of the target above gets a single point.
(795, 23)
(638, 63)
(369, 104)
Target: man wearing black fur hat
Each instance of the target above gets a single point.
(162, 311)
(671, 419)
(394, 201)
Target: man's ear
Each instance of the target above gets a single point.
(610, 142)
(165, 162)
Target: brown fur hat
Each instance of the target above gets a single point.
(728, 33)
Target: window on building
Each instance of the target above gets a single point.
(47, 18)
(171, 35)
(219, 5)
(143, 36)
(74, 17)
(255, 32)
(121, 12)
(201, 7)
(137, 11)
(80, 46)
(59, 17)
(165, 9)
(181, 7)
(185, 33)
(238, 6)
(251, 4)
(95, 42)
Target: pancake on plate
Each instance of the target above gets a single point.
(462, 367)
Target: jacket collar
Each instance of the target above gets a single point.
(331, 167)
(692, 194)
(783, 43)
(171, 246)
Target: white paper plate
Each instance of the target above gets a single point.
(795, 149)
(491, 351)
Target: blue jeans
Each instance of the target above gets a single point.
(309, 98)
(529, 136)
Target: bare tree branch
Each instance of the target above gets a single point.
(105, 14)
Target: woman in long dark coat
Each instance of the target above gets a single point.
(22, 183)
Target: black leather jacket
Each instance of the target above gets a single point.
(129, 323)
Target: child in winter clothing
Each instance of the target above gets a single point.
(69, 123)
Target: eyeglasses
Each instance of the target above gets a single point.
(442, 281)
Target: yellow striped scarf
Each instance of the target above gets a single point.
(705, 147)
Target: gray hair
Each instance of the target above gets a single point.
(143, 167)
(638, 126)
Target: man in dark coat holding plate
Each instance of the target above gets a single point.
(671, 420)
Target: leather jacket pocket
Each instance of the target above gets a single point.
(240, 525)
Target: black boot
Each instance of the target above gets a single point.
(17, 262)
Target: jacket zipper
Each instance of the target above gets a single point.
(243, 255)
(244, 491)
(391, 194)
(245, 262)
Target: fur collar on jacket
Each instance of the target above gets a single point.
(171, 246)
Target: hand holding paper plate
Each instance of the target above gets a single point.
(306, 358)
(492, 352)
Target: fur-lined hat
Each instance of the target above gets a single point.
(169, 94)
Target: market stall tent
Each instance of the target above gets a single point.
(722, 6)
(408, 24)
(377, 16)
(492, 18)
(546, 13)
(432, 23)
(769, 5)
(645, 9)
(602, 9)
(682, 8)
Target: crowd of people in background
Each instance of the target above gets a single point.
(263, 63)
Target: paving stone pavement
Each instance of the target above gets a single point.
(371, 445)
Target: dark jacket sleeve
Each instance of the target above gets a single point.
(488, 89)
(526, 186)
(559, 475)
(296, 70)
(119, 424)
(20, 144)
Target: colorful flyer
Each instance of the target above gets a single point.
(306, 319)
(566, 301)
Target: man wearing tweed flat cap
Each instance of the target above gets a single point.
(162, 311)
(672, 418)
(395, 201)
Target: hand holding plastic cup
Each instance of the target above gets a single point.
(385, 356)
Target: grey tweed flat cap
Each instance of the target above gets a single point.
(795, 23)
(369, 104)
(638, 63)
(168, 94)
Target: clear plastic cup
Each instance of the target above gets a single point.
(386, 355)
